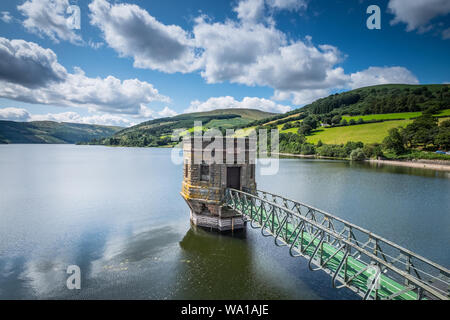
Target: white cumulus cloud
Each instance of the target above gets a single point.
(133, 32)
(6, 17)
(261, 55)
(49, 18)
(23, 115)
(382, 75)
(254, 11)
(167, 112)
(147, 113)
(251, 11)
(14, 114)
(249, 53)
(249, 50)
(292, 5)
(30, 73)
(28, 64)
(74, 117)
(418, 14)
(301, 97)
(229, 102)
(102, 118)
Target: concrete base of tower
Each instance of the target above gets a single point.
(225, 223)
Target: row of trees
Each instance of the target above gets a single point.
(306, 126)
(296, 144)
(134, 140)
(424, 133)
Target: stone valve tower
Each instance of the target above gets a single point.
(211, 165)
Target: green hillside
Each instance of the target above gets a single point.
(396, 121)
(366, 133)
(158, 132)
(380, 99)
(392, 98)
(413, 116)
(52, 132)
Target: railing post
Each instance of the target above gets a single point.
(408, 268)
(287, 229)
(321, 251)
(273, 220)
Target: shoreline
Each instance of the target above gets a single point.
(420, 164)
(308, 156)
(438, 165)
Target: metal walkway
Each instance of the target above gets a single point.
(369, 265)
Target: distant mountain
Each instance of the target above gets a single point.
(158, 132)
(52, 132)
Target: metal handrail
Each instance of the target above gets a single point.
(372, 235)
(347, 241)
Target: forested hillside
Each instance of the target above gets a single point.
(158, 132)
(381, 99)
(384, 99)
(52, 132)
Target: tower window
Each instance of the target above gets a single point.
(204, 172)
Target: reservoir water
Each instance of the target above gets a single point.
(117, 213)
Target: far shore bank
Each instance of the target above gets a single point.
(440, 165)
(421, 164)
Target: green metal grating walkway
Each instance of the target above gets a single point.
(371, 266)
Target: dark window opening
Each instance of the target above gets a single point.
(234, 178)
(204, 172)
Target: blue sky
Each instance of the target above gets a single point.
(131, 61)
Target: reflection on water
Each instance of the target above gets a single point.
(117, 213)
(218, 266)
(241, 266)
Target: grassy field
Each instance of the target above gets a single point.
(243, 132)
(366, 133)
(389, 116)
(445, 112)
(443, 119)
(292, 130)
(291, 116)
(386, 116)
(227, 123)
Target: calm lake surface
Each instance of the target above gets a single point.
(118, 214)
